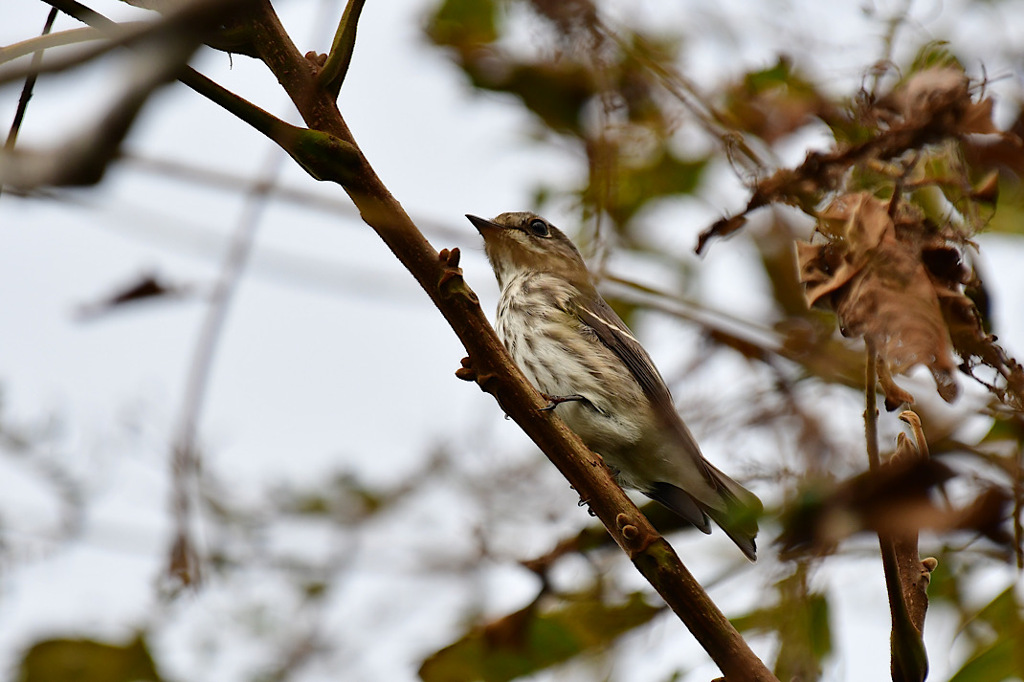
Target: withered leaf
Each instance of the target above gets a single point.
(876, 281)
(895, 499)
(721, 228)
(930, 107)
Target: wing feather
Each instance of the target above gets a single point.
(739, 517)
(615, 335)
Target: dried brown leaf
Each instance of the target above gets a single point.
(977, 119)
(926, 93)
(894, 498)
(974, 345)
(930, 107)
(880, 288)
(721, 228)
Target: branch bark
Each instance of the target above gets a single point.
(906, 575)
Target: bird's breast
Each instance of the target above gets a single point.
(561, 357)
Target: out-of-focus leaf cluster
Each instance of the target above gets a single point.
(538, 636)
(83, 660)
(593, 86)
(799, 617)
(916, 170)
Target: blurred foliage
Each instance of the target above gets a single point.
(800, 619)
(998, 654)
(917, 166)
(915, 163)
(536, 637)
(86, 660)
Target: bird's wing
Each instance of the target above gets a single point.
(739, 519)
(615, 335)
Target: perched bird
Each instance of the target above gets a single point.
(576, 351)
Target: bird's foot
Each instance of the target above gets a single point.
(556, 400)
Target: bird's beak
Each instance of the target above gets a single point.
(482, 225)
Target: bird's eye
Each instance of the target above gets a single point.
(539, 228)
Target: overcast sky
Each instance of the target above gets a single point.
(329, 343)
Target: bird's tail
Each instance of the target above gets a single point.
(734, 508)
(737, 512)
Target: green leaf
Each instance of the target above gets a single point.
(774, 102)
(1004, 429)
(1003, 658)
(556, 91)
(464, 23)
(1009, 215)
(533, 639)
(1003, 612)
(934, 54)
(636, 185)
(999, 662)
(86, 660)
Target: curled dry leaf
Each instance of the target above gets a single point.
(873, 274)
(937, 98)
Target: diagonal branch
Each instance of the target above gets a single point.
(328, 151)
(337, 157)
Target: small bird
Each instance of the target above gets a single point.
(576, 351)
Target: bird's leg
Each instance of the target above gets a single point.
(556, 400)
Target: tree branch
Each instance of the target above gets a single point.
(488, 363)
(906, 576)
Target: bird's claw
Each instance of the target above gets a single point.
(556, 400)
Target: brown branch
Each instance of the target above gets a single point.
(914, 572)
(488, 363)
(906, 576)
(30, 84)
(1018, 504)
(871, 404)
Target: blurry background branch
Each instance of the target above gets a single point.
(167, 45)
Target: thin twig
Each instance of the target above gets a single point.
(185, 453)
(871, 404)
(909, 661)
(895, 22)
(1018, 503)
(26, 90)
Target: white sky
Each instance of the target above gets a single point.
(330, 343)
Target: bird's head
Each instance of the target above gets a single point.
(524, 242)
